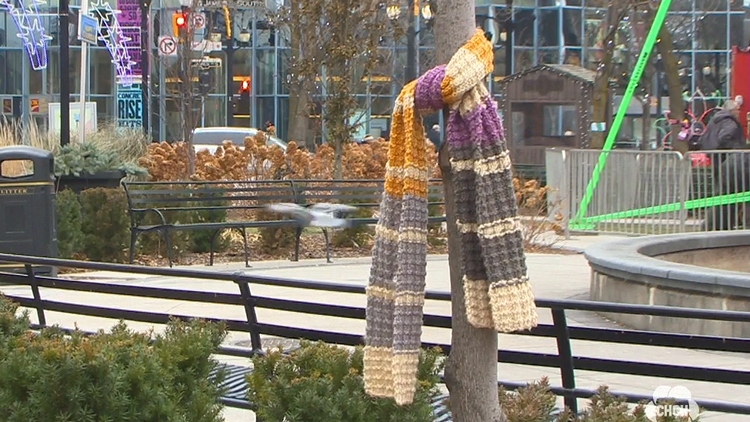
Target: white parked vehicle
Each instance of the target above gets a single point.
(211, 138)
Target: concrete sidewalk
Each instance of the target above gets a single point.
(552, 276)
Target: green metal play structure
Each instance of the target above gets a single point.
(581, 221)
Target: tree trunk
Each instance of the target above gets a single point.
(646, 128)
(338, 165)
(604, 74)
(471, 370)
(674, 86)
(299, 115)
(299, 111)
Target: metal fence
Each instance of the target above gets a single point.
(649, 192)
(260, 307)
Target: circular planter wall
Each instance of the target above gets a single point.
(694, 270)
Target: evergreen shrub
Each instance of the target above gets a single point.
(323, 383)
(69, 217)
(105, 224)
(114, 376)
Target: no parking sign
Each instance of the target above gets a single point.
(199, 20)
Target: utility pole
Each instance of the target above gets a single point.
(146, 41)
(509, 29)
(229, 69)
(64, 68)
(410, 72)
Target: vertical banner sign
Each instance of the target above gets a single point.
(129, 106)
(129, 100)
(130, 23)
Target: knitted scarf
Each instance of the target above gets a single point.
(496, 288)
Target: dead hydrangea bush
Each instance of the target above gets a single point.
(257, 161)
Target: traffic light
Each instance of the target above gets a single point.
(242, 106)
(179, 24)
(204, 81)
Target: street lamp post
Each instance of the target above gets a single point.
(509, 38)
(229, 69)
(394, 12)
(411, 44)
(63, 41)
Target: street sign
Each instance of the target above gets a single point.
(205, 46)
(199, 20)
(88, 29)
(167, 46)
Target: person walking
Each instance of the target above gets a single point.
(724, 130)
(434, 135)
(730, 171)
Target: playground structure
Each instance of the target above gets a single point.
(581, 220)
(645, 192)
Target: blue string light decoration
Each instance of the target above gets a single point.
(30, 29)
(114, 39)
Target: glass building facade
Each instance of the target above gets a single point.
(547, 32)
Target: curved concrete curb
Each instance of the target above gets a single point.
(634, 257)
(627, 271)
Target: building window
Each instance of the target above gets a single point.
(559, 120)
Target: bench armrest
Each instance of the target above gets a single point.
(142, 212)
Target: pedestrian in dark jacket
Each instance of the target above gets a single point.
(724, 131)
(434, 135)
(730, 171)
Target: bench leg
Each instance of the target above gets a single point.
(213, 246)
(133, 240)
(168, 241)
(247, 248)
(297, 241)
(328, 246)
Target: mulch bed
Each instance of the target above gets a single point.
(311, 247)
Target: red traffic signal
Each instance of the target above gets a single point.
(179, 23)
(245, 87)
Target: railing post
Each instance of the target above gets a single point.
(37, 296)
(564, 351)
(567, 191)
(685, 183)
(252, 318)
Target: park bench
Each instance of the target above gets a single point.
(165, 207)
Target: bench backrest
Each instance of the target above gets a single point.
(196, 196)
(360, 193)
(171, 197)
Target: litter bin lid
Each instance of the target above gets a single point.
(24, 152)
(42, 160)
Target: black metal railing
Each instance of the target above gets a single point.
(564, 360)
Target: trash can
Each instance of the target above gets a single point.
(27, 204)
